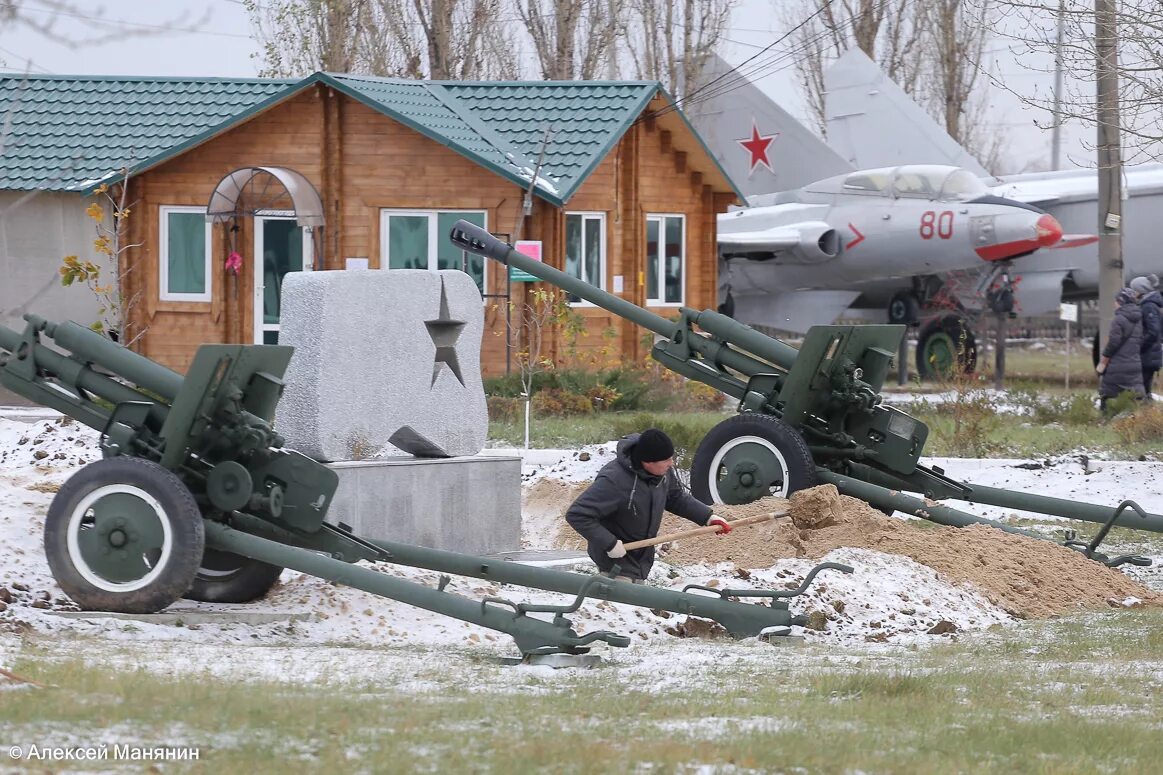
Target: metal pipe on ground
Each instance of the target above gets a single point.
(884, 498)
(532, 635)
(1023, 501)
(742, 620)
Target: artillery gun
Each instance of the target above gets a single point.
(196, 497)
(812, 415)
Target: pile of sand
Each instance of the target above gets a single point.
(1026, 577)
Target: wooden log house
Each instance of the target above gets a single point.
(337, 172)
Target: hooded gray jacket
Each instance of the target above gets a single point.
(1125, 370)
(626, 504)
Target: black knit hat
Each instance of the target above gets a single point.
(653, 445)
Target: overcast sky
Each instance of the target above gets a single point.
(212, 38)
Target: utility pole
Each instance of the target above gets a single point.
(1110, 165)
(1056, 133)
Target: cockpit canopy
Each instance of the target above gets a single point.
(921, 181)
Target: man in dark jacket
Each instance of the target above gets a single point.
(1150, 347)
(626, 501)
(1121, 365)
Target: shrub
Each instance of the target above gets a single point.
(973, 424)
(602, 397)
(504, 408)
(1073, 409)
(1124, 403)
(698, 397)
(686, 433)
(1145, 425)
(562, 403)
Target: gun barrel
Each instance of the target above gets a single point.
(744, 337)
(87, 345)
(474, 239)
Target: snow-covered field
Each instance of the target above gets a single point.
(312, 629)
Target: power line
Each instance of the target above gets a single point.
(28, 62)
(740, 74)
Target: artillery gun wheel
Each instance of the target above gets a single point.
(124, 535)
(748, 457)
(946, 347)
(225, 577)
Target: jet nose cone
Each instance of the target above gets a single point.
(1049, 231)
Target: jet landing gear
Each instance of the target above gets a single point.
(904, 308)
(946, 346)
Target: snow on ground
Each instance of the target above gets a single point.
(888, 600)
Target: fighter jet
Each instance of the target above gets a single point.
(872, 121)
(916, 241)
(891, 235)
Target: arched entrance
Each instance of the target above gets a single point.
(285, 217)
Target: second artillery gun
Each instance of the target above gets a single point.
(812, 415)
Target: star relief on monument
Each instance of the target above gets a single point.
(444, 332)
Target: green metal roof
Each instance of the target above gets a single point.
(501, 124)
(72, 133)
(67, 133)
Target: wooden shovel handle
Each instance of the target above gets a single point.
(698, 531)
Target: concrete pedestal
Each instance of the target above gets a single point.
(462, 504)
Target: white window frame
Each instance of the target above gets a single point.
(386, 213)
(661, 218)
(601, 216)
(164, 256)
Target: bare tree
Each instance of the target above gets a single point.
(890, 32)
(955, 84)
(933, 49)
(672, 40)
(1030, 28)
(44, 15)
(571, 38)
(441, 39)
(456, 32)
(301, 36)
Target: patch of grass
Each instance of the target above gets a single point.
(1070, 695)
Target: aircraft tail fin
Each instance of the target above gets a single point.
(872, 122)
(760, 145)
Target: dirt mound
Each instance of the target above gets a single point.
(1027, 577)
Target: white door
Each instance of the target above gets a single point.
(280, 246)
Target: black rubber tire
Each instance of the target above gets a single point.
(179, 512)
(799, 468)
(904, 308)
(958, 335)
(224, 577)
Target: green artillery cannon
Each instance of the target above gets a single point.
(809, 416)
(196, 497)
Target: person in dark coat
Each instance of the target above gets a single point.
(1121, 365)
(1151, 348)
(626, 501)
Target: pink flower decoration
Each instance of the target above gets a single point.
(234, 263)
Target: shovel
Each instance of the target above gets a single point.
(698, 531)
